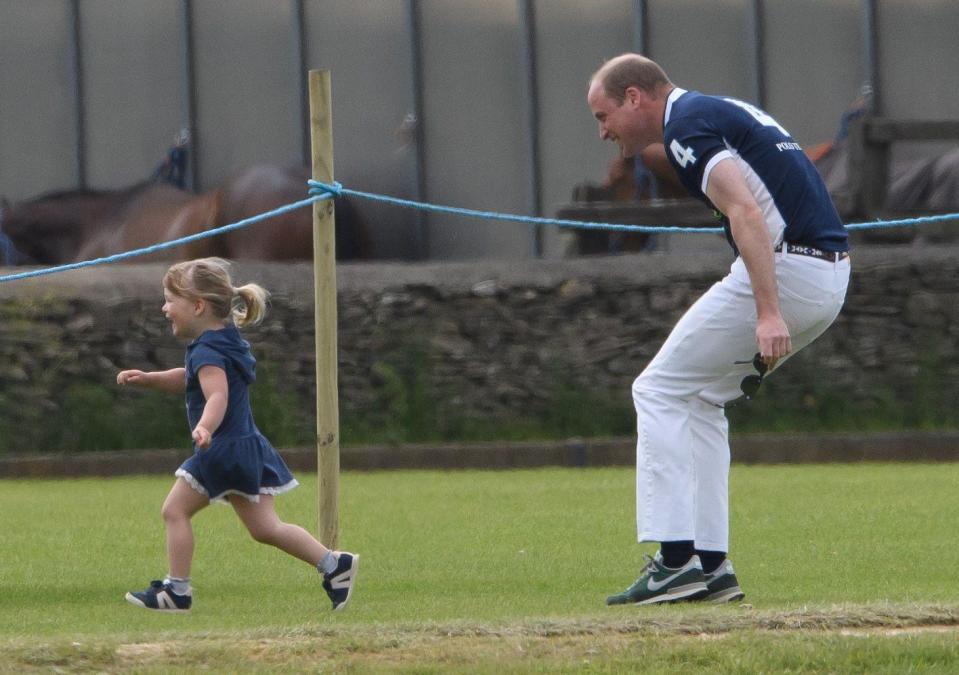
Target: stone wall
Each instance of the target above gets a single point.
(469, 350)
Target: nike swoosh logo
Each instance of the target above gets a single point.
(653, 585)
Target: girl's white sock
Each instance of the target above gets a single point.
(180, 586)
(328, 564)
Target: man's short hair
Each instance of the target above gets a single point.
(630, 70)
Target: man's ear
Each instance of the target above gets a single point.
(632, 96)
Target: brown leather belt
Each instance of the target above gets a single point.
(799, 249)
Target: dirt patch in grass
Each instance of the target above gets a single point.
(621, 638)
(896, 632)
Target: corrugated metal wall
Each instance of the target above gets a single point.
(93, 91)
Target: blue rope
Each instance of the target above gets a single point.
(322, 191)
(169, 244)
(335, 189)
(317, 188)
(879, 224)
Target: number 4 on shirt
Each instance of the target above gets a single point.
(682, 154)
(763, 118)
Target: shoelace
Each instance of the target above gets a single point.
(650, 567)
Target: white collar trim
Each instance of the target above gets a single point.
(673, 95)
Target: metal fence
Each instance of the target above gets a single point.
(477, 104)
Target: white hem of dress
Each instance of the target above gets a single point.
(221, 498)
(279, 489)
(193, 482)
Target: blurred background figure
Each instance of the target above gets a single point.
(174, 167)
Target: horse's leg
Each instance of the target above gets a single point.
(98, 245)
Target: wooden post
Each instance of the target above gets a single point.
(324, 275)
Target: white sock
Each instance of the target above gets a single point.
(328, 564)
(180, 586)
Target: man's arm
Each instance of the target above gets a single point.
(728, 192)
(654, 157)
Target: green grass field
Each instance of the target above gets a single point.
(492, 571)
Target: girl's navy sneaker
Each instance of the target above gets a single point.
(160, 596)
(338, 584)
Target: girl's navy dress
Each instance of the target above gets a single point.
(239, 460)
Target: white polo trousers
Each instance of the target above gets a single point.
(682, 452)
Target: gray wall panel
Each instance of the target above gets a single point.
(919, 82)
(918, 58)
(132, 54)
(814, 66)
(248, 91)
(365, 44)
(37, 138)
(574, 40)
(246, 74)
(702, 45)
(475, 156)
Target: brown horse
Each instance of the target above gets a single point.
(63, 227)
(69, 226)
(262, 188)
(155, 214)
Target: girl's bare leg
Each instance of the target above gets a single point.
(265, 526)
(179, 507)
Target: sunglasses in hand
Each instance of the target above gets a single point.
(750, 383)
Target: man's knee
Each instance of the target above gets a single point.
(639, 386)
(645, 389)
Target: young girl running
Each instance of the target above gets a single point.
(232, 461)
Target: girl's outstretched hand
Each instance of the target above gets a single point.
(137, 377)
(202, 436)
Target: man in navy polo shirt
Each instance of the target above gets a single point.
(784, 289)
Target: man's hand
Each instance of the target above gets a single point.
(772, 338)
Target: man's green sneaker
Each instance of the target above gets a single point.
(723, 585)
(658, 583)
